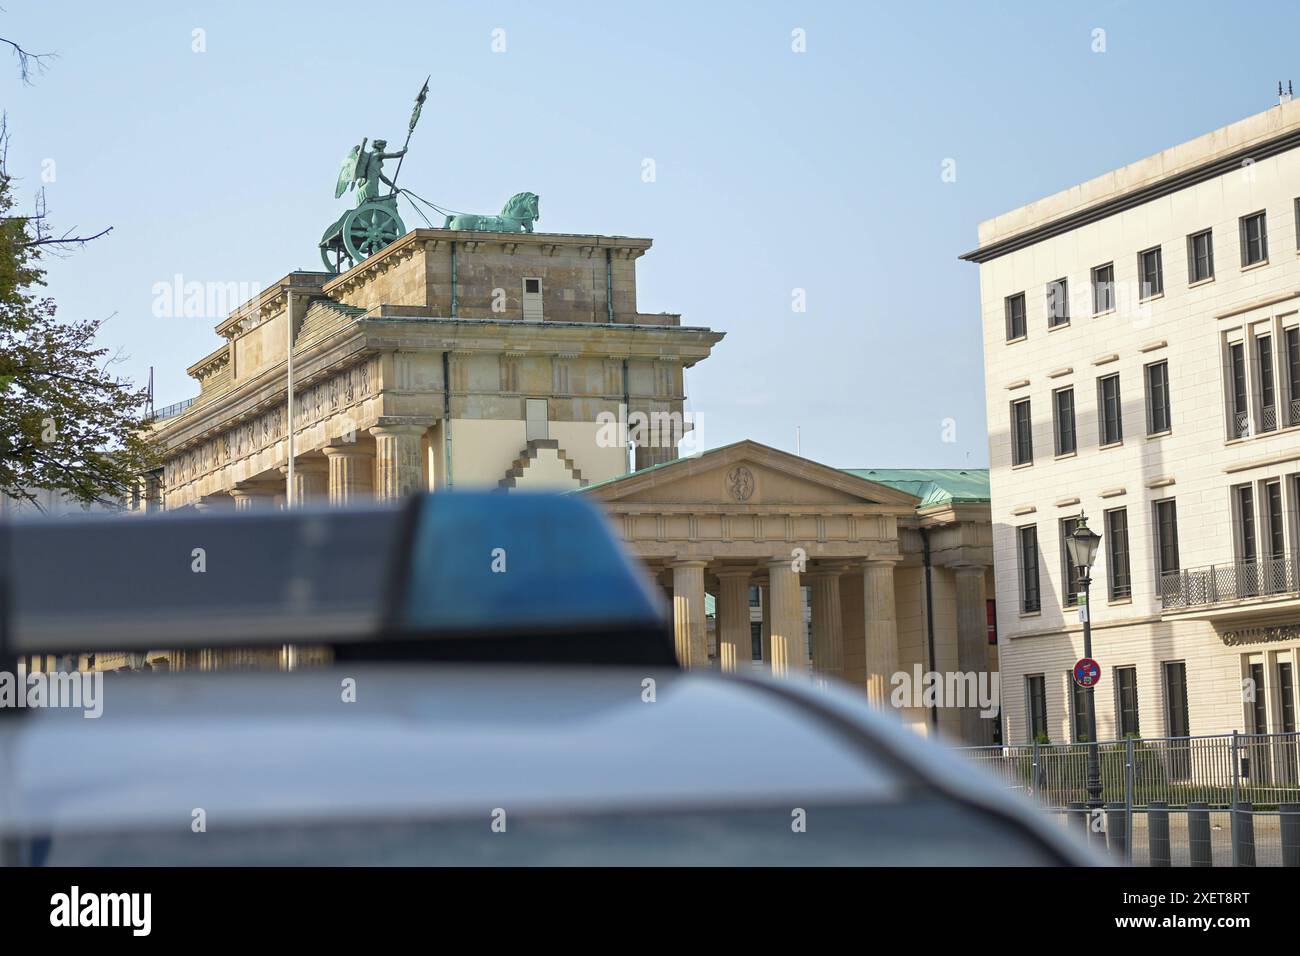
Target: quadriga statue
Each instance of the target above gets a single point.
(518, 215)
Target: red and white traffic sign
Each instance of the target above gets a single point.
(1087, 673)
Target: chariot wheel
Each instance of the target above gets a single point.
(368, 229)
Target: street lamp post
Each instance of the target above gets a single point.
(1082, 548)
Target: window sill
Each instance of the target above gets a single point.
(1103, 314)
(1066, 324)
(1164, 434)
(1119, 602)
(1152, 298)
(1066, 455)
(1030, 614)
(1200, 282)
(1022, 466)
(1019, 338)
(1114, 444)
(1254, 265)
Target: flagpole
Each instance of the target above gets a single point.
(288, 337)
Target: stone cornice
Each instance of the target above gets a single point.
(269, 302)
(434, 240)
(616, 341)
(210, 363)
(254, 396)
(1164, 186)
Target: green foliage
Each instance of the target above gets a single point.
(65, 421)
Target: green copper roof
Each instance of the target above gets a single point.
(934, 486)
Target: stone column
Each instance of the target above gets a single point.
(351, 469)
(688, 613)
(972, 646)
(789, 651)
(249, 496)
(398, 473)
(827, 621)
(735, 646)
(311, 480)
(881, 627)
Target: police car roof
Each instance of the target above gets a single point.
(428, 742)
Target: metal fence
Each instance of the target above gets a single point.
(171, 411)
(1228, 799)
(1222, 583)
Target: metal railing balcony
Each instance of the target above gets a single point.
(171, 411)
(1229, 583)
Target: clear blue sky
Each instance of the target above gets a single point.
(775, 170)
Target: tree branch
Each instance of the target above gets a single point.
(28, 63)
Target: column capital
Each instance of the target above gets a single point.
(969, 569)
(882, 560)
(689, 563)
(347, 451)
(732, 571)
(315, 466)
(829, 569)
(388, 426)
(250, 489)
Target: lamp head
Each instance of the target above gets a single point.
(1082, 546)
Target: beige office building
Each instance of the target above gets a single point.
(1142, 364)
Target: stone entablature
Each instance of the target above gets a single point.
(371, 344)
(478, 275)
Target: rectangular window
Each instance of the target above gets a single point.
(1166, 522)
(1103, 288)
(1126, 701)
(1058, 303)
(1108, 410)
(1286, 698)
(1254, 239)
(1151, 273)
(1036, 704)
(1178, 753)
(1273, 510)
(1022, 446)
(1297, 224)
(532, 300)
(1259, 709)
(1240, 409)
(1176, 715)
(1267, 386)
(756, 640)
(1069, 573)
(1273, 570)
(1117, 564)
(1063, 420)
(1200, 256)
(1293, 375)
(1078, 710)
(1015, 307)
(1158, 411)
(1027, 539)
(1247, 552)
(535, 416)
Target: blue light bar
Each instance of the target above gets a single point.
(521, 562)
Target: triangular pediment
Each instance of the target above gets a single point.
(749, 474)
